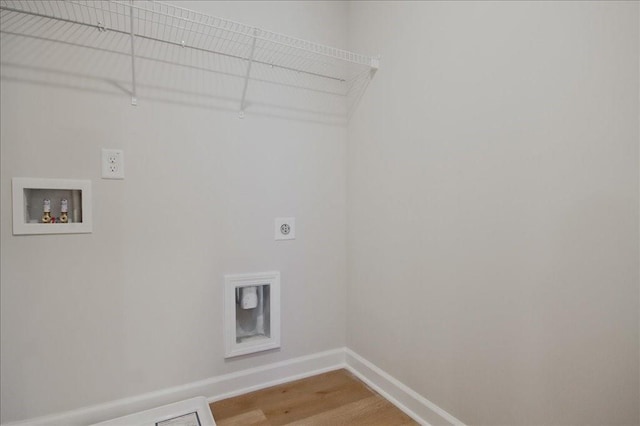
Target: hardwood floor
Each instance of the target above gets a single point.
(334, 398)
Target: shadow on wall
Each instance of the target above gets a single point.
(56, 53)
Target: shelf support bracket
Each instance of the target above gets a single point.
(134, 97)
(375, 64)
(246, 77)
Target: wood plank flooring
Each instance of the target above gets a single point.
(334, 398)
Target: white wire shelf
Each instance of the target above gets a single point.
(255, 54)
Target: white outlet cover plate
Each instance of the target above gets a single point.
(112, 163)
(285, 228)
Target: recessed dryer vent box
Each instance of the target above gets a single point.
(29, 195)
(252, 313)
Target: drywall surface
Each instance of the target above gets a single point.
(493, 207)
(137, 306)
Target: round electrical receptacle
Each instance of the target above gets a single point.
(285, 229)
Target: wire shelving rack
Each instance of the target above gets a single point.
(260, 54)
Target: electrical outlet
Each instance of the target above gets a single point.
(285, 228)
(112, 164)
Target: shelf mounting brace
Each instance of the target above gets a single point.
(246, 78)
(134, 97)
(375, 65)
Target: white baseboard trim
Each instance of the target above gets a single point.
(216, 388)
(406, 399)
(228, 385)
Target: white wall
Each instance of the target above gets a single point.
(493, 211)
(136, 306)
(493, 207)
